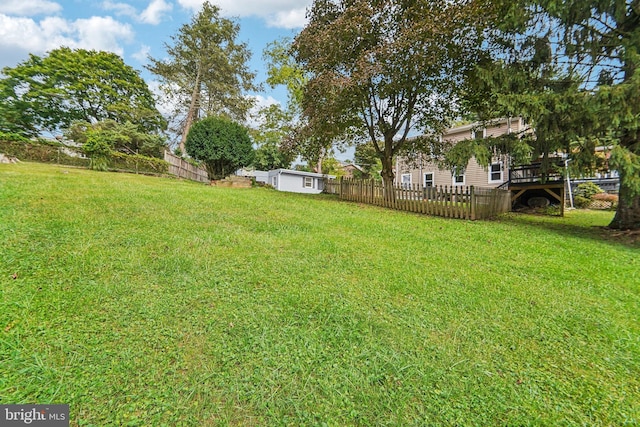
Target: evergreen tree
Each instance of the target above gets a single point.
(206, 72)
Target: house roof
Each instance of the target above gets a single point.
(352, 165)
(477, 125)
(301, 173)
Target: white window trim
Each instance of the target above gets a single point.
(474, 132)
(433, 178)
(493, 181)
(308, 184)
(464, 177)
(402, 182)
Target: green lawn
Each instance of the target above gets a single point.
(148, 301)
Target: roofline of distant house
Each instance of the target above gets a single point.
(303, 173)
(479, 125)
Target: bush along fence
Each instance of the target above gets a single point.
(464, 202)
(183, 169)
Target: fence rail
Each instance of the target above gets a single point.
(466, 202)
(183, 169)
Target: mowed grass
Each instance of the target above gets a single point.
(147, 301)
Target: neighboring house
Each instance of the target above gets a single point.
(297, 181)
(260, 176)
(349, 169)
(424, 172)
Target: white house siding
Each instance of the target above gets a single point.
(294, 181)
(474, 173)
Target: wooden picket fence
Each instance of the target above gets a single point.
(183, 169)
(464, 202)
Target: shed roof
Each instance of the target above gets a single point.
(302, 173)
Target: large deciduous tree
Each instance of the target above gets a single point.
(47, 94)
(206, 70)
(381, 69)
(222, 145)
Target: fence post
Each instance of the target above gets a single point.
(472, 199)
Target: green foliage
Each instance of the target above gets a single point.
(282, 69)
(368, 159)
(138, 163)
(222, 145)
(572, 69)
(269, 156)
(627, 163)
(97, 146)
(331, 166)
(48, 94)
(40, 152)
(380, 69)
(122, 137)
(13, 137)
(205, 70)
(276, 126)
(581, 202)
(588, 190)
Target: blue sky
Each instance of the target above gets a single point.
(135, 29)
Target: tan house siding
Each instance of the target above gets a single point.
(474, 174)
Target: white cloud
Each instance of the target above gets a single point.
(156, 10)
(29, 7)
(142, 54)
(276, 13)
(153, 14)
(294, 18)
(20, 36)
(120, 9)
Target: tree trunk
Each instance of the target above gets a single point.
(628, 213)
(192, 114)
(387, 172)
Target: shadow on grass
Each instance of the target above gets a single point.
(582, 227)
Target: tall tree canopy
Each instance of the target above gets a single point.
(48, 94)
(275, 127)
(206, 70)
(380, 69)
(571, 68)
(284, 70)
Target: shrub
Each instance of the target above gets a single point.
(588, 190)
(98, 149)
(38, 151)
(222, 145)
(606, 197)
(139, 164)
(581, 202)
(12, 137)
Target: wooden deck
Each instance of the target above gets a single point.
(528, 180)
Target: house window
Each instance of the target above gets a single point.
(495, 172)
(406, 180)
(479, 134)
(308, 182)
(428, 179)
(458, 176)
